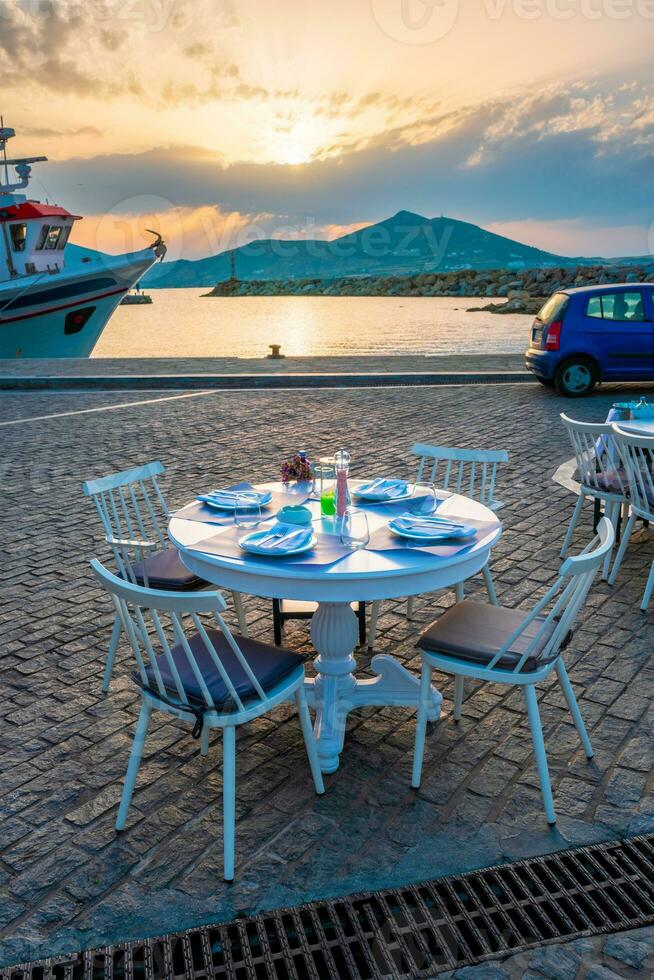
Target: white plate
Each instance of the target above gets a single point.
(438, 535)
(248, 545)
(217, 504)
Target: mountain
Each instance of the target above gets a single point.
(405, 243)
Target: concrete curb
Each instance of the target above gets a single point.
(207, 382)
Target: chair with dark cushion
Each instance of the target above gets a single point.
(601, 476)
(467, 471)
(268, 664)
(135, 516)
(191, 666)
(164, 570)
(477, 631)
(509, 646)
(637, 457)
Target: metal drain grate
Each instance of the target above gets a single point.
(415, 931)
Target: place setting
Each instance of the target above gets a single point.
(290, 535)
(219, 506)
(322, 522)
(423, 521)
(382, 490)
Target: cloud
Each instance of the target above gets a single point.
(578, 237)
(47, 132)
(46, 44)
(114, 48)
(191, 233)
(574, 154)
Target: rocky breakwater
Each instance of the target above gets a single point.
(522, 290)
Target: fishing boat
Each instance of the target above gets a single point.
(50, 307)
(136, 297)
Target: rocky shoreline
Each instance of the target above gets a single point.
(523, 290)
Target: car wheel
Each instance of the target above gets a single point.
(575, 378)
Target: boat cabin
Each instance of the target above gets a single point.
(33, 237)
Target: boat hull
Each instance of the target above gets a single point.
(64, 315)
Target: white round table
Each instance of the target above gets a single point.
(638, 427)
(361, 575)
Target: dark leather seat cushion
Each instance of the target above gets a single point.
(166, 571)
(269, 664)
(475, 631)
(615, 481)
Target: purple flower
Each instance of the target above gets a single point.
(296, 468)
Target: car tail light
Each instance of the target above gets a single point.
(553, 335)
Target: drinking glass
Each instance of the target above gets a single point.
(324, 482)
(247, 512)
(423, 499)
(353, 529)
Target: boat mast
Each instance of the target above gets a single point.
(4, 151)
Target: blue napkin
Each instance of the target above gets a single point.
(227, 497)
(278, 539)
(431, 527)
(381, 489)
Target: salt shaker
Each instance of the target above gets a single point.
(342, 492)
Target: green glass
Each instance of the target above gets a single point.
(324, 485)
(327, 503)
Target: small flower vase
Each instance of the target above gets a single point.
(297, 469)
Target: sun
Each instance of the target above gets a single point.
(295, 143)
(295, 155)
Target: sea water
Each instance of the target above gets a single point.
(184, 323)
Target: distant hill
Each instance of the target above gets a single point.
(404, 243)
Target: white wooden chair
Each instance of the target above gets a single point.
(204, 675)
(134, 516)
(637, 457)
(600, 475)
(472, 472)
(509, 646)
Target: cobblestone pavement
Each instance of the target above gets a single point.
(67, 880)
(626, 954)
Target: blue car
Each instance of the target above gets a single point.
(594, 333)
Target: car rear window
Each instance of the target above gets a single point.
(554, 308)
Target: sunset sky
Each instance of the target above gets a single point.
(218, 120)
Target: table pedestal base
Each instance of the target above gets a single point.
(335, 691)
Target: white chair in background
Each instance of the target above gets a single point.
(134, 516)
(204, 675)
(509, 646)
(599, 472)
(472, 472)
(637, 457)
